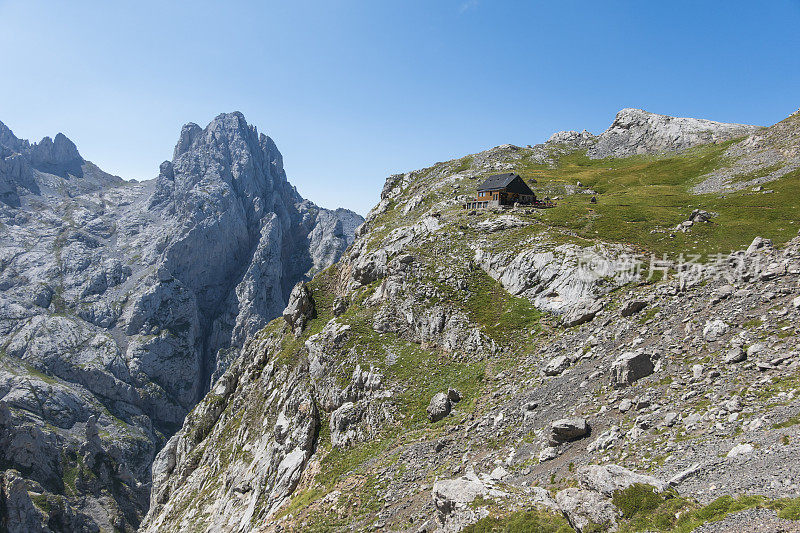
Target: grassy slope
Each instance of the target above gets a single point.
(642, 193)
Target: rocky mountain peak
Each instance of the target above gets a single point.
(579, 139)
(635, 131)
(228, 156)
(189, 133)
(123, 302)
(9, 140)
(58, 156)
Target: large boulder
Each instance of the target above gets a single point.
(583, 312)
(439, 407)
(454, 502)
(587, 509)
(556, 365)
(567, 429)
(442, 403)
(451, 494)
(606, 479)
(629, 367)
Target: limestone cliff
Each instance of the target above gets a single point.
(122, 301)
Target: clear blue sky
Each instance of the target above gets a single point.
(352, 91)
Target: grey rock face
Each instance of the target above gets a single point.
(638, 132)
(282, 442)
(566, 280)
(123, 302)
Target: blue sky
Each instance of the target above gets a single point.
(353, 91)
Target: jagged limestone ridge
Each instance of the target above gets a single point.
(123, 301)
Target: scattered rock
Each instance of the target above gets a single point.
(735, 355)
(714, 329)
(698, 215)
(606, 440)
(339, 306)
(754, 349)
(722, 293)
(583, 312)
(548, 453)
(453, 395)
(680, 476)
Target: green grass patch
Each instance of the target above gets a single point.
(503, 317)
(792, 421)
(41, 501)
(788, 508)
(648, 314)
(643, 509)
(300, 501)
(540, 521)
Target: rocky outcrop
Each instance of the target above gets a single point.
(299, 309)
(567, 429)
(567, 280)
(123, 302)
(258, 446)
(607, 479)
(587, 510)
(635, 131)
(765, 155)
(577, 139)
